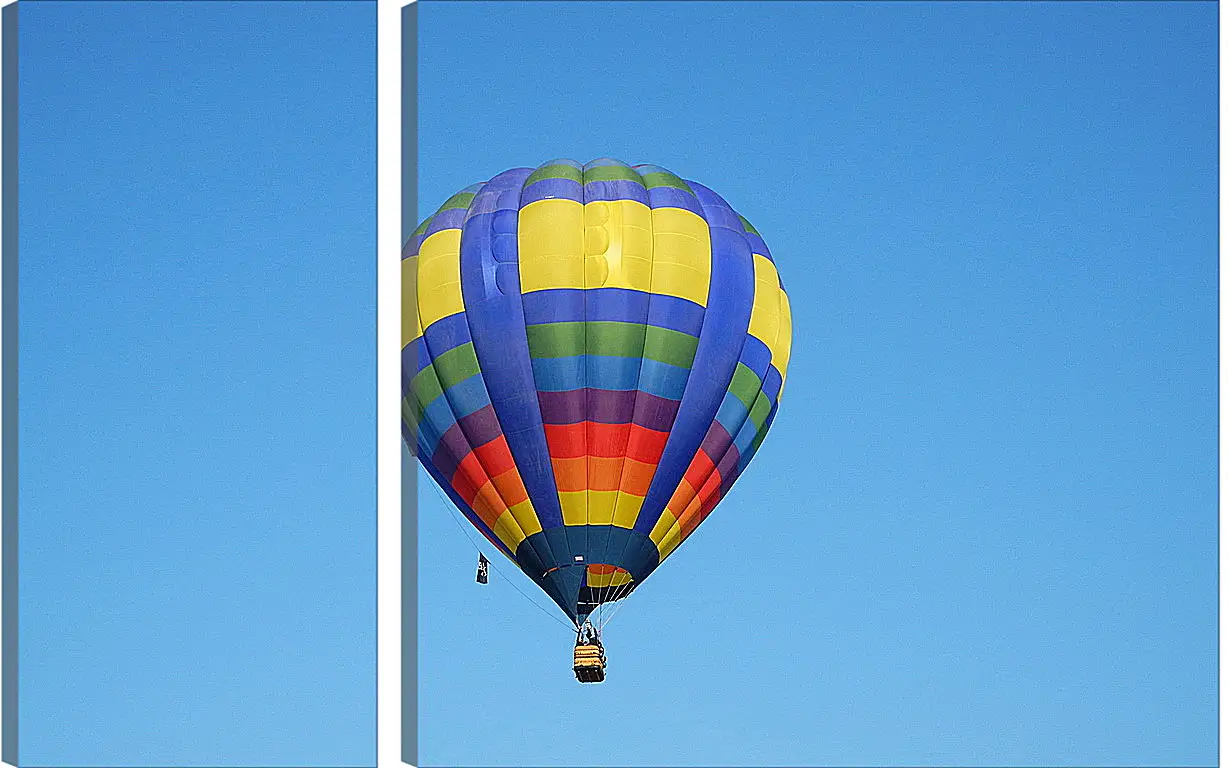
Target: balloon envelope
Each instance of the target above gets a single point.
(591, 355)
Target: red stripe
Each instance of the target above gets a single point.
(571, 441)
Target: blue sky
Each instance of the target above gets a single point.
(984, 523)
(197, 361)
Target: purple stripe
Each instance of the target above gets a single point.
(608, 407)
(551, 189)
(452, 448)
(716, 441)
(562, 407)
(653, 412)
(729, 462)
(673, 197)
(481, 426)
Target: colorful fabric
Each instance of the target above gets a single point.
(591, 355)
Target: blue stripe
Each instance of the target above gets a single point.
(497, 325)
(772, 383)
(718, 213)
(619, 305)
(468, 396)
(663, 379)
(409, 356)
(412, 245)
(616, 189)
(755, 355)
(673, 197)
(732, 413)
(731, 291)
(447, 333)
(623, 374)
(742, 441)
(745, 458)
(551, 189)
(449, 219)
(757, 245)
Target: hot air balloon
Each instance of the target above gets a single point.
(591, 355)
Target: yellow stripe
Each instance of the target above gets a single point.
(618, 245)
(669, 541)
(615, 579)
(682, 254)
(508, 531)
(411, 325)
(627, 507)
(600, 508)
(614, 244)
(550, 243)
(526, 517)
(664, 524)
(439, 276)
(766, 308)
(781, 349)
(575, 506)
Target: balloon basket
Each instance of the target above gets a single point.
(589, 663)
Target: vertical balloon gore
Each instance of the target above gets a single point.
(591, 356)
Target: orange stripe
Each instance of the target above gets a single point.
(695, 510)
(570, 474)
(487, 504)
(604, 473)
(637, 476)
(599, 473)
(683, 495)
(510, 487)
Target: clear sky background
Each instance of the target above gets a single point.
(983, 529)
(197, 362)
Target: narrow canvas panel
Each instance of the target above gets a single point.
(190, 364)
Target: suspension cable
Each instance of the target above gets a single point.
(449, 505)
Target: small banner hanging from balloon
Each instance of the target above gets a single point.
(483, 565)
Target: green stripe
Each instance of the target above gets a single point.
(612, 173)
(745, 385)
(425, 387)
(747, 225)
(669, 346)
(459, 200)
(759, 411)
(422, 228)
(665, 179)
(411, 414)
(611, 339)
(554, 172)
(456, 365)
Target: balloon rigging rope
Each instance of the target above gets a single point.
(618, 607)
(492, 560)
